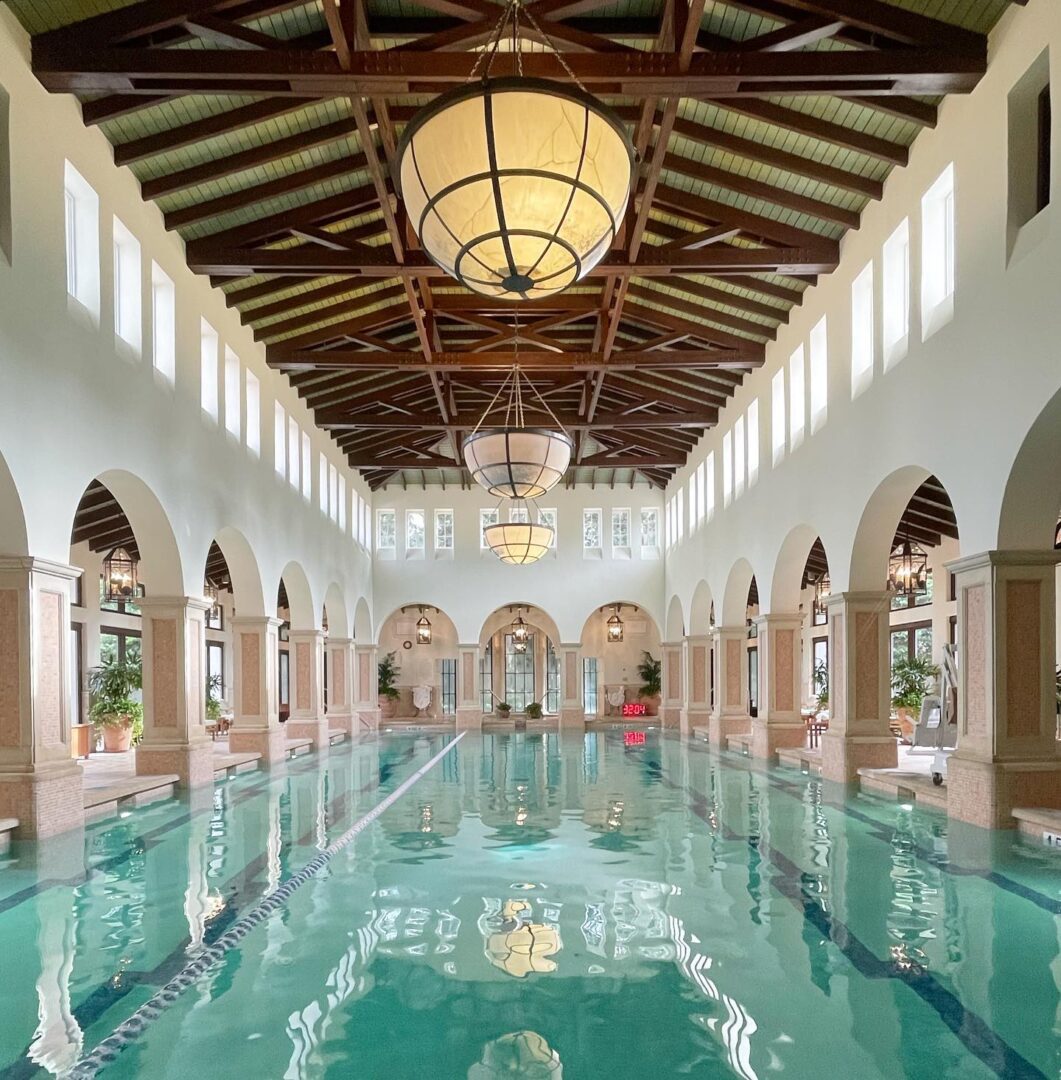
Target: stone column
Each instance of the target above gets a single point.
(174, 650)
(696, 707)
(1007, 752)
(572, 703)
(859, 687)
(671, 705)
(780, 722)
(339, 656)
(256, 726)
(39, 782)
(730, 715)
(469, 701)
(307, 719)
(367, 708)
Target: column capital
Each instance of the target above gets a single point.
(157, 604)
(338, 642)
(981, 559)
(865, 598)
(469, 645)
(306, 635)
(31, 564)
(697, 639)
(786, 619)
(254, 622)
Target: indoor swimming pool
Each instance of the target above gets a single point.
(615, 904)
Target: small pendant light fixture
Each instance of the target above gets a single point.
(614, 626)
(821, 594)
(210, 591)
(520, 630)
(120, 576)
(423, 629)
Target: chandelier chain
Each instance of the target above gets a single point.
(511, 11)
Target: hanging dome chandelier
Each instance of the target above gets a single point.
(514, 461)
(515, 186)
(521, 542)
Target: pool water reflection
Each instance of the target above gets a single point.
(538, 905)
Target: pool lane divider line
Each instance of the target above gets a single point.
(131, 1029)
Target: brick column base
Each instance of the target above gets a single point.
(768, 738)
(985, 793)
(688, 719)
(315, 729)
(844, 755)
(47, 800)
(573, 718)
(719, 728)
(341, 720)
(469, 719)
(193, 762)
(271, 744)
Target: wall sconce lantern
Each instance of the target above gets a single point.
(908, 570)
(120, 575)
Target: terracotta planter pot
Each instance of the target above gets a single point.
(651, 704)
(117, 738)
(388, 707)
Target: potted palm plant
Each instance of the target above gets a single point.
(650, 672)
(821, 684)
(912, 679)
(114, 711)
(389, 695)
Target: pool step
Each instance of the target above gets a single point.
(136, 791)
(905, 785)
(226, 765)
(1040, 824)
(298, 747)
(7, 826)
(799, 757)
(740, 743)
(335, 737)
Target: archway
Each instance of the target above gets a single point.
(613, 656)
(520, 662)
(13, 536)
(702, 609)
(419, 642)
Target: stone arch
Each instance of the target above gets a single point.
(300, 604)
(243, 569)
(362, 622)
(787, 581)
(1032, 496)
(700, 609)
(735, 597)
(14, 539)
(604, 610)
(675, 620)
(156, 542)
(335, 606)
(532, 613)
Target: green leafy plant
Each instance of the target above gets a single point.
(650, 672)
(213, 701)
(112, 685)
(503, 708)
(534, 710)
(821, 683)
(911, 681)
(387, 673)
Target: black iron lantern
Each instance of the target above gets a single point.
(210, 591)
(120, 576)
(821, 594)
(908, 570)
(520, 631)
(423, 629)
(615, 626)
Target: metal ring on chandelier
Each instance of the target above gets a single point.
(519, 543)
(489, 457)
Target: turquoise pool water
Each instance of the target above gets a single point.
(540, 906)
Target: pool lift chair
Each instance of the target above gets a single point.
(936, 731)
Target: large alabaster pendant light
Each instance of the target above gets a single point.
(514, 461)
(520, 542)
(515, 186)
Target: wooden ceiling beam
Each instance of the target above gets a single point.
(66, 66)
(341, 420)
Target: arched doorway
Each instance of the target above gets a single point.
(418, 642)
(520, 663)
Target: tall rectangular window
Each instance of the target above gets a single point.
(293, 443)
(621, 529)
(819, 374)
(1029, 124)
(591, 530)
(333, 488)
(208, 347)
(738, 456)
(322, 483)
(797, 398)
(650, 527)
(519, 514)
(1043, 126)
(548, 517)
(82, 240)
(443, 530)
(727, 468)
(895, 295)
(693, 509)
(709, 483)
(341, 517)
(252, 393)
(753, 442)
(937, 254)
(414, 531)
(365, 519)
(307, 467)
(163, 324)
(701, 482)
(127, 286)
(5, 213)
(486, 518)
(668, 523)
(232, 402)
(679, 515)
(279, 438)
(385, 531)
(862, 330)
(777, 415)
